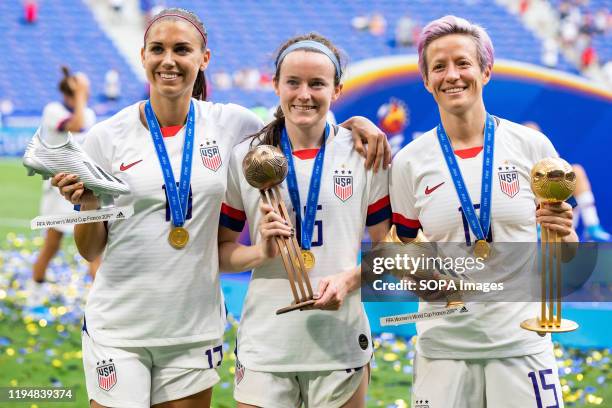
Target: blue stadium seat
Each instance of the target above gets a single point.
(239, 37)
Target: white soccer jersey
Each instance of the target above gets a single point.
(423, 196)
(55, 115)
(350, 197)
(147, 293)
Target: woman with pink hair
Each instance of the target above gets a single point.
(467, 181)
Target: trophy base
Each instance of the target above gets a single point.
(296, 306)
(535, 325)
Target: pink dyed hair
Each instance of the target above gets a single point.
(448, 25)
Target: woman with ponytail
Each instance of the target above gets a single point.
(317, 357)
(70, 115)
(154, 318)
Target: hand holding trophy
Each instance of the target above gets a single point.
(420, 246)
(552, 181)
(265, 167)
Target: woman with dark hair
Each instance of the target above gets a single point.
(70, 115)
(155, 315)
(318, 357)
(468, 181)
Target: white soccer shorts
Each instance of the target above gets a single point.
(516, 382)
(138, 377)
(315, 389)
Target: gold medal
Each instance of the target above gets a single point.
(482, 249)
(309, 259)
(178, 237)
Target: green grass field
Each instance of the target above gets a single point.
(20, 197)
(41, 352)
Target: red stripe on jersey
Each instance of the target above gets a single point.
(406, 222)
(306, 154)
(468, 153)
(62, 125)
(232, 212)
(170, 131)
(382, 203)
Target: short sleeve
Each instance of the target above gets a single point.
(379, 205)
(55, 116)
(401, 191)
(90, 118)
(545, 148)
(97, 148)
(244, 122)
(233, 215)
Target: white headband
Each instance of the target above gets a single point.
(313, 45)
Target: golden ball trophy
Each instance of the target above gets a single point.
(265, 168)
(552, 181)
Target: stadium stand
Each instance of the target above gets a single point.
(65, 34)
(239, 37)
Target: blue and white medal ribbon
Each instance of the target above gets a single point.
(479, 227)
(307, 223)
(177, 198)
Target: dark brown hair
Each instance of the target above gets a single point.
(199, 87)
(271, 133)
(63, 83)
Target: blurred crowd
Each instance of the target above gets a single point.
(405, 34)
(571, 28)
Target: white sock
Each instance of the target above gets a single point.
(588, 211)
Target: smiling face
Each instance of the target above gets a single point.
(306, 89)
(454, 77)
(172, 57)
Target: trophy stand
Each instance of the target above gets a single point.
(265, 167)
(552, 181)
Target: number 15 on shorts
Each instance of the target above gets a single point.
(541, 386)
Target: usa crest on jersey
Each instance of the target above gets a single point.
(509, 181)
(343, 184)
(211, 156)
(107, 374)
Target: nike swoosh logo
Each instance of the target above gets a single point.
(124, 167)
(428, 190)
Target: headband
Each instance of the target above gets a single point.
(313, 45)
(203, 33)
